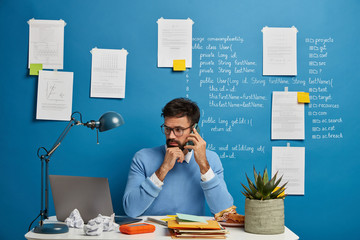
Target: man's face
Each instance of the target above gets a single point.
(177, 123)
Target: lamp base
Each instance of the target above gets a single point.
(51, 228)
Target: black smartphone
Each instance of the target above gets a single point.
(196, 126)
(121, 220)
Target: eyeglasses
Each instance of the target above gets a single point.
(178, 131)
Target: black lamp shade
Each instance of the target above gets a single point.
(110, 120)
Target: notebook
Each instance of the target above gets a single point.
(90, 195)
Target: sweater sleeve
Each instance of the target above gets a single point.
(216, 193)
(140, 191)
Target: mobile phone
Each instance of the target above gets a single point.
(196, 126)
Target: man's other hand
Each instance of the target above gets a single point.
(172, 155)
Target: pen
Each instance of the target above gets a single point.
(150, 219)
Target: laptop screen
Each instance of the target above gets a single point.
(90, 195)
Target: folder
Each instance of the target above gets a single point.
(212, 224)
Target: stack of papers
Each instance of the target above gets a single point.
(191, 226)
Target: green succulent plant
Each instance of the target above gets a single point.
(263, 188)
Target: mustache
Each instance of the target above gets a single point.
(179, 145)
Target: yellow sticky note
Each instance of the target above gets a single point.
(303, 97)
(35, 67)
(168, 219)
(179, 65)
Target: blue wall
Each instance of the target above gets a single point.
(328, 208)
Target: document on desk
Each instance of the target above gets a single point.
(174, 41)
(46, 43)
(287, 116)
(108, 73)
(279, 51)
(290, 162)
(54, 98)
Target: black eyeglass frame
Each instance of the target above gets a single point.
(163, 126)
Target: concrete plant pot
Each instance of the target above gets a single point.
(264, 216)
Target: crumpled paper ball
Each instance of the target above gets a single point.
(94, 227)
(109, 223)
(75, 220)
(99, 224)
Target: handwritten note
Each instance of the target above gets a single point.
(230, 87)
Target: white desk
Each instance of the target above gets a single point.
(161, 232)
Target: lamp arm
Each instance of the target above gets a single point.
(72, 122)
(46, 158)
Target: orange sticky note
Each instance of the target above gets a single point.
(179, 65)
(303, 97)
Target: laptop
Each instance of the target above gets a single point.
(90, 195)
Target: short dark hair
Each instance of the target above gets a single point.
(180, 107)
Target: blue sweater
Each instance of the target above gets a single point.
(183, 191)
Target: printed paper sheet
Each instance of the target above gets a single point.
(54, 99)
(46, 43)
(108, 73)
(174, 41)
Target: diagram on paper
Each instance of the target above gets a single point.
(55, 90)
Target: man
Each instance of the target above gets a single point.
(176, 177)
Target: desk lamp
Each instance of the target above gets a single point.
(106, 122)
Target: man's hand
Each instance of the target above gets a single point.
(199, 149)
(172, 155)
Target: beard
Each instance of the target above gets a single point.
(179, 145)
